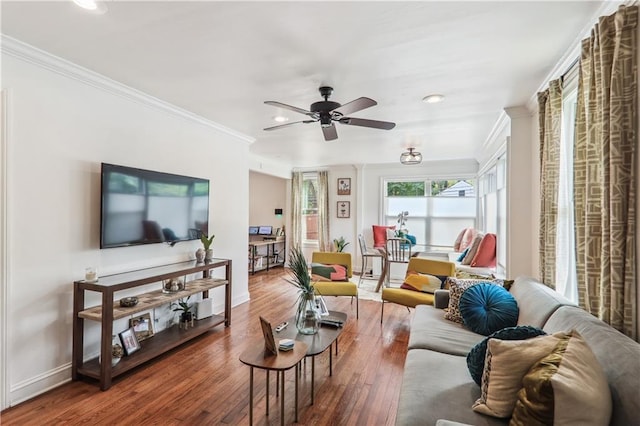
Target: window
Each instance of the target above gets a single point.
(438, 209)
(310, 207)
(492, 197)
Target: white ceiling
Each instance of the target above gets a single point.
(222, 60)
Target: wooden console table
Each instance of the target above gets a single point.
(110, 310)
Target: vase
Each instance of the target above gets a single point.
(308, 315)
(116, 351)
(209, 254)
(200, 254)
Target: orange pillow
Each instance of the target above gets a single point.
(380, 235)
(486, 253)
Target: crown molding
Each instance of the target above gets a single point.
(40, 58)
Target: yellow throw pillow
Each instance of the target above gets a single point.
(425, 283)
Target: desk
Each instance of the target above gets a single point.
(317, 343)
(255, 357)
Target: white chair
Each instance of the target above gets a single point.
(367, 253)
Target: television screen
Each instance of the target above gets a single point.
(253, 230)
(264, 230)
(145, 207)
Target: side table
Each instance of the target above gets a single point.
(255, 356)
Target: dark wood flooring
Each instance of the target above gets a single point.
(204, 383)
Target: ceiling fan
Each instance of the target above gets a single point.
(326, 112)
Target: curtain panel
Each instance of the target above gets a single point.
(604, 171)
(324, 241)
(296, 209)
(550, 119)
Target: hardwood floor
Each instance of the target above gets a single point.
(203, 382)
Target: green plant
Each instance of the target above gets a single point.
(340, 244)
(182, 306)
(300, 278)
(206, 241)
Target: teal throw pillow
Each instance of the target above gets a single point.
(462, 255)
(486, 308)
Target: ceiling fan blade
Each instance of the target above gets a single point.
(356, 105)
(279, 126)
(385, 125)
(289, 107)
(330, 133)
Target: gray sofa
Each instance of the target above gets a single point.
(437, 384)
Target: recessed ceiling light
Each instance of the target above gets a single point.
(433, 99)
(92, 5)
(280, 118)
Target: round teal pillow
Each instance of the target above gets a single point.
(475, 357)
(486, 308)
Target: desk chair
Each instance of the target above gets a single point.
(411, 298)
(367, 253)
(336, 288)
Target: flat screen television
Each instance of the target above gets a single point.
(145, 207)
(265, 230)
(253, 230)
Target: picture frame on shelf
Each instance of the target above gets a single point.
(344, 186)
(269, 340)
(344, 210)
(129, 341)
(142, 326)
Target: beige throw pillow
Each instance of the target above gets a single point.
(566, 387)
(506, 363)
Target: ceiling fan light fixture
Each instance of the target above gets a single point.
(433, 99)
(97, 7)
(280, 118)
(411, 157)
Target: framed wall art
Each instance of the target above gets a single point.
(142, 326)
(344, 186)
(344, 209)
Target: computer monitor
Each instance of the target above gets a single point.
(253, 230)
(265, 230)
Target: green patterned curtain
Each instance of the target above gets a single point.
(296, 209)
(604, 171)
(324, 241)
(550, 119)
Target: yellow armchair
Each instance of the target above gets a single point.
(336, 288)
(410, 298)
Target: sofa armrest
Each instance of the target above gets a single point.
(443, 422)
(441, 299)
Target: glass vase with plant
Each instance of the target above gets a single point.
(307, 314)
(340, 244)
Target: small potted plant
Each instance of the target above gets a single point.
(340, 244)
(186, 315)
(206, 242)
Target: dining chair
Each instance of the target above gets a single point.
(398, 251)
(367, 253)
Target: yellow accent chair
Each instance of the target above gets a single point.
(411, 298)
(336, 288)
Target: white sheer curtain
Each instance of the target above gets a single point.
(324, 241)
(296, 209)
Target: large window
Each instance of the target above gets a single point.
(438, 209)
(310, 207)
(492, 198)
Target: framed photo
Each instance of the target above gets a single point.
(269, 341)
(142, 326)
(344, 209)
(129, 341)
(344, 186)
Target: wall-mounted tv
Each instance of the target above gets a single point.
(145, 207)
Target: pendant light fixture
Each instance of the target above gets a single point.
(411, 157)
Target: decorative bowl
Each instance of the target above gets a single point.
(128, 302)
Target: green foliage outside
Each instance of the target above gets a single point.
(417, 188)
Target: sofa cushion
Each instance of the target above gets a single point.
(456, 243)
(487, 308)
(429, 330)
(618, 355)
(325, 272)
(437, 386)
(456, 288)
(566, 387)
(425, 283)
(410, 298)
(467, 238)
(536, 301)
(506, 364)
(476, 356)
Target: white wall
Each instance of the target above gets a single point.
(62, 123)
(267, 193)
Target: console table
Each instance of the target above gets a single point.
(110, 310)
(272, 256)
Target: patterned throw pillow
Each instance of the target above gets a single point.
(322, 272)
(425, 283)
(456, 288)
(566, 387)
